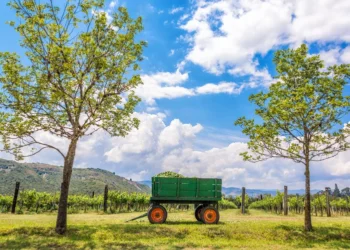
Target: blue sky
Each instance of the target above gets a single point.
(203, 60)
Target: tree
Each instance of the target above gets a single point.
(345, 191)
(301, 114)
(81, 67)
(336, 192)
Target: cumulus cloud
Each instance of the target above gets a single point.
(222, 87)
(157, 146)
(177, 134)
(335, 56)
(163, 85)
(324, 21)
(227, 35)
(166, 85)
(152, 138)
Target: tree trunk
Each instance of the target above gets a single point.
(14, 202)
(285, 201)
(243, 200)
(61, 223)
(307, 222)
(328, 206)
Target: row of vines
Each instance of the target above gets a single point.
(39, 202)
(338, 206)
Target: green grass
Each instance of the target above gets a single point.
(258, 230)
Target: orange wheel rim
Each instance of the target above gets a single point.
(157, 215)
(209, 216)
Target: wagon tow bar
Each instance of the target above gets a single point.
(138, 217)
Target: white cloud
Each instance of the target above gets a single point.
(227, 35)
(112, 4)
(335, 56)
(151, 109)
(184, 17)
(166, 77)
(152, 140)
(175, 10)
(163, 85)
(139, 141)
(324, 20)
(222, 87)
(177, 133)
(345, 56)
(157, 147)
(172, 52)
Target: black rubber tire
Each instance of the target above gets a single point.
(197, 212)
(209, 221)
(152, 209)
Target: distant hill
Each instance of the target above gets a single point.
(147, 183)
(44, 177)
(234, 191)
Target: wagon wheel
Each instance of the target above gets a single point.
(197, 212)
(157, 214)
(210, 215)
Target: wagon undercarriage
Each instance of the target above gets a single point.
(206, 212)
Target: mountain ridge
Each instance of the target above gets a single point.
(45, 177)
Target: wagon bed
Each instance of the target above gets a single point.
(186, 190)
(204, 193)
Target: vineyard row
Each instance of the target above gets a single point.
(38, 202)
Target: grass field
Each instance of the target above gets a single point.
(258, 230)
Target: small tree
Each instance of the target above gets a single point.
(78, 79)
(336, 192)
(301, 114)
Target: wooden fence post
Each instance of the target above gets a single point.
(243, 200)
(105, 199)
(285, 201)
(14, 202)
(328, 207)
(93, 194)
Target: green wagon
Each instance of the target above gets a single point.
(204, 193)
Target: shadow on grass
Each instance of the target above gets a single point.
(147, 236)
(332, 236)
(118, 236)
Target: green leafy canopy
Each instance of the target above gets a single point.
(79, 76)
(301, 113)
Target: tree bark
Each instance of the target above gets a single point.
(105, 199)
(307, 221)
(61, 223)
(243, 200)
(285, 201)
(328, 206)
(14, 202)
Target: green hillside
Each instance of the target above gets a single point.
(44, 177)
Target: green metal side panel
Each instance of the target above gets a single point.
(186, 189)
